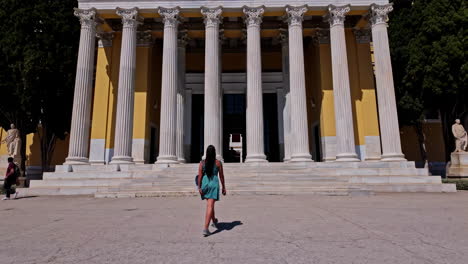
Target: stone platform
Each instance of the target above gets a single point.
(459, 165)
(327, 178)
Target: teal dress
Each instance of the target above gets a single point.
(210, 184)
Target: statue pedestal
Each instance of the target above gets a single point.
(459, 165)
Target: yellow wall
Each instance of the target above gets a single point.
(3, 147)
(362, 89)
(113, 88)
(324, 102)
(142, 88)
(102, 92)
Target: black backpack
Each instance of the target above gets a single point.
(17, 172)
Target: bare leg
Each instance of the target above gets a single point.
(209, 212)
(213, 212)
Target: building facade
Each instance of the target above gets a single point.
(172, 77)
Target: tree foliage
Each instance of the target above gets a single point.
(428, 45)
(38, 50)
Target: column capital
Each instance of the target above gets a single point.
(283, 37)
(144, 38)
(362, 35)
(88, 17)
(322, 36)
(253, 15)
(337, 14)
(212, 16)
(170, 15)
(130, 17)
(105, 39)
(379, 13)
(295, 14)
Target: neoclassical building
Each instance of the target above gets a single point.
(303, 82)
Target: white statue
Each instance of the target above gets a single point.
(13, 141)
(460, 135)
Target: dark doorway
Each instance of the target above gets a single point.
(198, 106)
(233, 122)
(317, 144)
(154, 145)
(270, 127)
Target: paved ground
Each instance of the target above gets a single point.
(390, 228)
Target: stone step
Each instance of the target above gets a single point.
(291, 180)
(258, 191)
(240, 173)
(328, 189)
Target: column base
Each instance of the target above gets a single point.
(76, 161)
(181, 160)
(255, 158)
(121, 160)
(393, 157)
(347, 157)
(167, 160)
(97, 162)
(304, 157)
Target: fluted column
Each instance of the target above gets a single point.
(182, 42)
(345, 147)
(221, 93)
(286, 111)
(212, 132)
(389, 129)
(126, 90)
(167, 138)
(299, 130)
(81, 120)
(255, 141)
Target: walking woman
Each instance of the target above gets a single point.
(208, 185)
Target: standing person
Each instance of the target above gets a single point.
(10, 179)
(208, 185)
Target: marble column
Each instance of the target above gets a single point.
(299, 130)
(255, 135)
(81, 120)
(389, 129)
(221, 93)
(212, 133)
(345, 147)
(168, 126)
(182, 42)
(286, 110)
(126, 90)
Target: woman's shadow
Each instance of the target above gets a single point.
(222, 226)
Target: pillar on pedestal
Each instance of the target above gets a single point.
(126, 90)
(212, 132)
(389, 129)
(345, 146)
(255, 136)
(167, 138)
(80, 126)
(299, 130)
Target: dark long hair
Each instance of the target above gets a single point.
(210, 159)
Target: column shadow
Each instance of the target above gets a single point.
(226, 226)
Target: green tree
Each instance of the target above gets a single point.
(428, 45)
(38, 47)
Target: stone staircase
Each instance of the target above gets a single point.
(323, 178)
